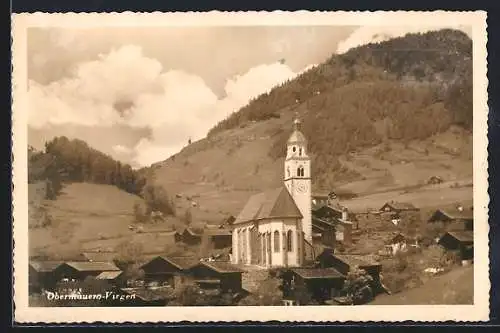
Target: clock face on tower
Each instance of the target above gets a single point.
(301, 187)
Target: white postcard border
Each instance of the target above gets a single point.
(24, 314)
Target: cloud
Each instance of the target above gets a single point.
(376, 34)
(126, 88)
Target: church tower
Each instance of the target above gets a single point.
(297, 176)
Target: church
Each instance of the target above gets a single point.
(274, 229)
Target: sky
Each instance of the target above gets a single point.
(139, 94)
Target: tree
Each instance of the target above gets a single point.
(359, 286)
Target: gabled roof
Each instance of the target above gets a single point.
(181, 263)
(221, 266)
(318, 273)
(465, 236)
(358, 260)
(466, 214)
(44, 266)
(400, 205)
(218, 232)
(277, 203)
(192, 231)
(109, 275)
(85, 266)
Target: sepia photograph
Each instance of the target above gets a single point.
(251, 164)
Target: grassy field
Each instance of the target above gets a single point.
(92, 217)
(454, 287)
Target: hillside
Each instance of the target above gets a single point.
(91, 217)
(381, 120)
(454, 287)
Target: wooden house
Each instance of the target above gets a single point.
(461, 242)
(454, 219)
(41, 275)
(344, 263)
(319, 200)
(324, 232)
(80, 270)
(321, 283)
(398, 207)
(164, 269)
(217, 275)
(192, 236)
(219, 238)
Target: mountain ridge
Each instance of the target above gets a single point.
(378, 115)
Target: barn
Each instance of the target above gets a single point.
(461, 242)
(344, 263)
(454, 219)
(41, 275)
(163, 269)
(321, 283)
(215, 274)
(80, 270)
(398, 207)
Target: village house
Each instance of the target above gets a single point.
(217, 275)
(219, 238)
(320, 200)
(344, 263)
(321, 283)
(400, 243)
(393, 210)
(167, 270)
(398, 207)
(41, 275)
(330, 224)
(80, 270)
(460, 242)
(457, 219)
(190, 236)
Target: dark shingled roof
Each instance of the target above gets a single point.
(83, 266)
(182, 262)
(221, 266)
(218, 232)
(466, 214)
(44, 266)
(277, 203)
(318, 273)
(358, 260)
(465, 236)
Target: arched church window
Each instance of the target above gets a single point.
(288, 172)
(289, 236)
(294, 149)
(300, 171)
(276, 241)
(300, 151)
